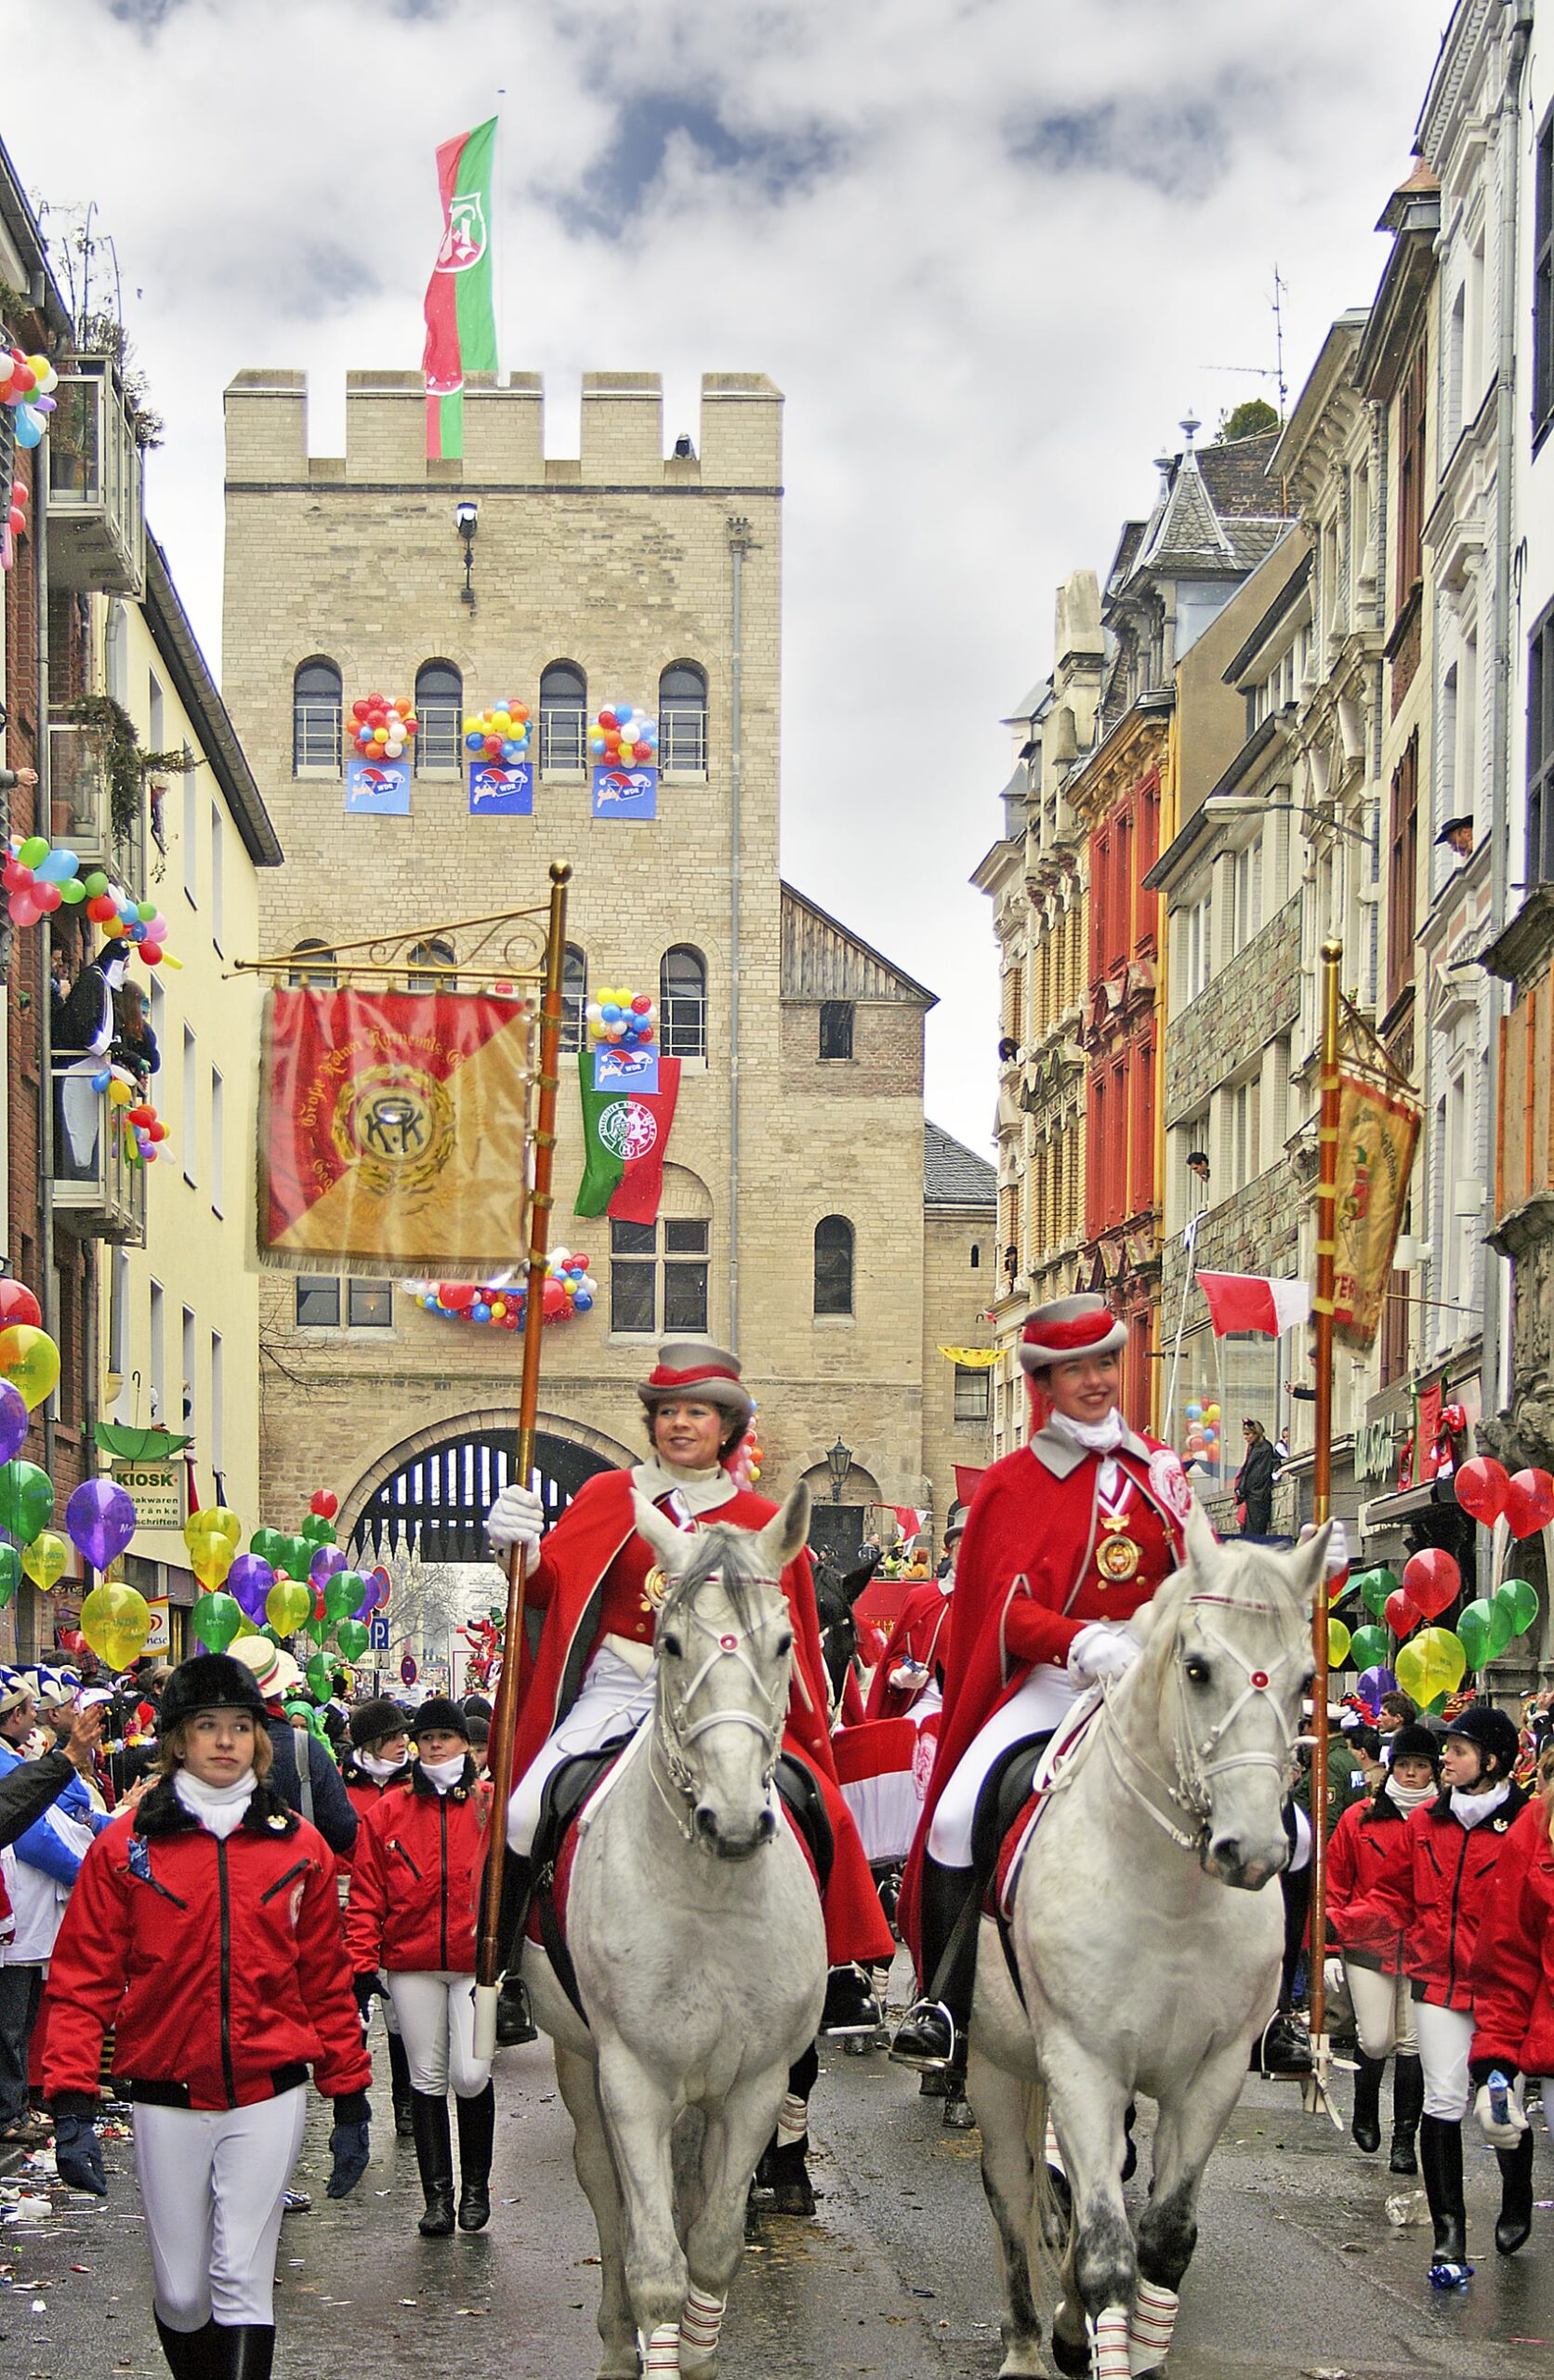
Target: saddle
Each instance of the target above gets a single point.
(567, 1792)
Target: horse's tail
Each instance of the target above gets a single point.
(1051, 2202)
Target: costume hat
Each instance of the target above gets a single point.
(693, 1367)
(1067, 1327)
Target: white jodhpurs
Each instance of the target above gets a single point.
(1042, 1703)
(615, 1702)
(1384, 2012)
(214, 2187)
(1445, 2037)
(434, 2010)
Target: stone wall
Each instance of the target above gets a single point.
(1253, 998)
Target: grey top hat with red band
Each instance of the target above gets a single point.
(690, 1368)
(1070, 1327)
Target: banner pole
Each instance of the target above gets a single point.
(1321, 1501)
(504, 1717)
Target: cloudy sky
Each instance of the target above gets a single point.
(993, 250)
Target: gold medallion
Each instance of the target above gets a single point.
(652, 1589)
(1117, 1556)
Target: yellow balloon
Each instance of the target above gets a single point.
(119, 1093)
(1431, 1665)
(129, 1624)
(214, 1520)
(1339, 1642)
(46, 1560)
(30, 1360)
(210, 1558)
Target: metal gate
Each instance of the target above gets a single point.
(446, 1492)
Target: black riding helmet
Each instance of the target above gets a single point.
(1495, 1735)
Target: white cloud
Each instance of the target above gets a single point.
(989, 248)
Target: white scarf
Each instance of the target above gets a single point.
(1096, 1437)
(1472, 1810)
(700, 1492)
(219, 1808)
(379, 1770)
(443, 1774)
(1409, 1797)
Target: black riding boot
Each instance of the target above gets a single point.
(477, 2132)
(188, 2352)
(398, 2083)
(1440, 2155)
(1516, 2195)
(434, 2155)
(1408, 2100)
(936, 2023)
(242, 2351)
(1365, 2122)
(515, 2023)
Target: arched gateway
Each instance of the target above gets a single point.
(445, 1481)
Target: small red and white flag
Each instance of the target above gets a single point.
(910, 1519)
(1246, 1302)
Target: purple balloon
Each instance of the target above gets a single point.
(1374, 1684)
(325, 1563)
(250, 1580)
(100, 1518)
(13, 1421)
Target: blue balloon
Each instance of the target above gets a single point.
(59, 867)
(611, 1012)
(583, 1300)
(474, 743)
(29, 426)
(101, 1081)
(479, 1311)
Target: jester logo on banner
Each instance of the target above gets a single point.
(625, 793)
(378, 789)
(498, 789)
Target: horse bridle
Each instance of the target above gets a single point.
(672, 1736)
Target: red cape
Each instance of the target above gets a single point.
(920, 1634)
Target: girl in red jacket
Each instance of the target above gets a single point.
(1436, 1892)
(414, 1893)
(203, 1931)
(1365, 1840)
(377, 1755)
(1513, 1995)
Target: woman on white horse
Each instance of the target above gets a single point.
(1066, 1539)
(597, 1581)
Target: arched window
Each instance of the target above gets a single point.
(316, 716)
(833, 1265)
(302, 978)
(682, 720)
(421, 958)
(575, 996)
(682, 1003)
(563, 719)
(440, 716)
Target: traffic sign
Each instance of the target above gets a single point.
(408, 1671)
(378, 1632)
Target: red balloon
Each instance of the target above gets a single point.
(100, 908)
(18, 1305)
(359, 709)
(325, 1505)
(1402, 1613)
(151, 952)
(1529, 1501)
(1481, 1485)
(1431, 1580)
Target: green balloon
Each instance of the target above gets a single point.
(95, 885)
(352, 1637)
(10, 1573)
(294, 1557)
(1375, 1587)
(146, 911)
(317, 1627)
(320, 1676)
(216, 1620)
(266, 1544)
(341, 1595)
(1369, 1648)
(317, 1530)
(1518, 1601)
(1485, 1631)
(26, 1500)
(71, 891)
(33, 852)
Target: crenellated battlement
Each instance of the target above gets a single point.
(739, 448)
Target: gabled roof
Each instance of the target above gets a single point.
(823, 960)
(954, 1175)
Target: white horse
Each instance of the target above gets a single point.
(695, 1930)
(1139, 1972)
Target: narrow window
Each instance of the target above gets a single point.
(218, 879)
(682, 1003)
(216, 1434)
(191, 1105)
(633, 1276)
(833, 1265)
(188, 1353)
(563, 719)
(316, 704)
(218, 1140)
(835, 1028)
(971, 1387)
(370, 1304)
(317, 1301)
(157, 1350)
(574, 997)
(682, 720)
(307, 978)
(439, 716)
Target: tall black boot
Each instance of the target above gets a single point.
(188, 2352)
(929, 2031)
(1441, 2155)
(242, 2351)
(398, 2083)
(434, 2155)
(1516, 2195)
(515, 2023)
(1408, 2101)
(477, 2132)
(1365, 2122)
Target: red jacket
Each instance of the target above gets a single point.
(364, 1793)
(1367, 1839)
(921, 1634)
(1513, 1963)
(1436, 1891)
(218, 1968)
(415, 1888)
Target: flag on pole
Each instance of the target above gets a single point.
(1248, 1302)
(461, 320)
(624, 1135)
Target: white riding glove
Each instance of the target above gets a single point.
(1502, 2117)
(516, 1518)
(1100, 1652)
(1338, 1546)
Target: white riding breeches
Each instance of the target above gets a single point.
(436, 2013)
(214, 2187)
(1445, 2037)
(615, 1702)
(1042, 1703)
(1384, 2012)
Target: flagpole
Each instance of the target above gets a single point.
(504, 1717)
(1316, 2095)
(1190, 1241)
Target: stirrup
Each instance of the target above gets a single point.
(924, 2060)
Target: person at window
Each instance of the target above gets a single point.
(593, 1675)
(1254, 1482)
(1457, 836)
(134, 1046)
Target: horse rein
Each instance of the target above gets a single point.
(672, 1736)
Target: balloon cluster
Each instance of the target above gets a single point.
(1432, 1663)
(27, 385)
(501, 733)
(743, 1465)
(623, 737)
(1203, 1432)
(42, 877)
(570, 1289)
(143, 1128)
(16, 520)
(381, 728)
(285, 1582)
(623, 1019)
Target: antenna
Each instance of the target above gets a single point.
(1274, 372)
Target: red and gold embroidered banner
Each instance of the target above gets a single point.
(393, 1131)
(1376, 1133)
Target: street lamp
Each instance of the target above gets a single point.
(839, 1461)
(1230, 805)
(467, 520)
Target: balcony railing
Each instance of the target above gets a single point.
(438, 738)
(97, 534)
(83, 813)
(99, 1194)
(682, 744)
(563, 740)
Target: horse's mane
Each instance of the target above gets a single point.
(732, 1552)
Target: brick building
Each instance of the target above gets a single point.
(793, 1220)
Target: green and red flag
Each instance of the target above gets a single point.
(461, 320)
(624, 1135)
